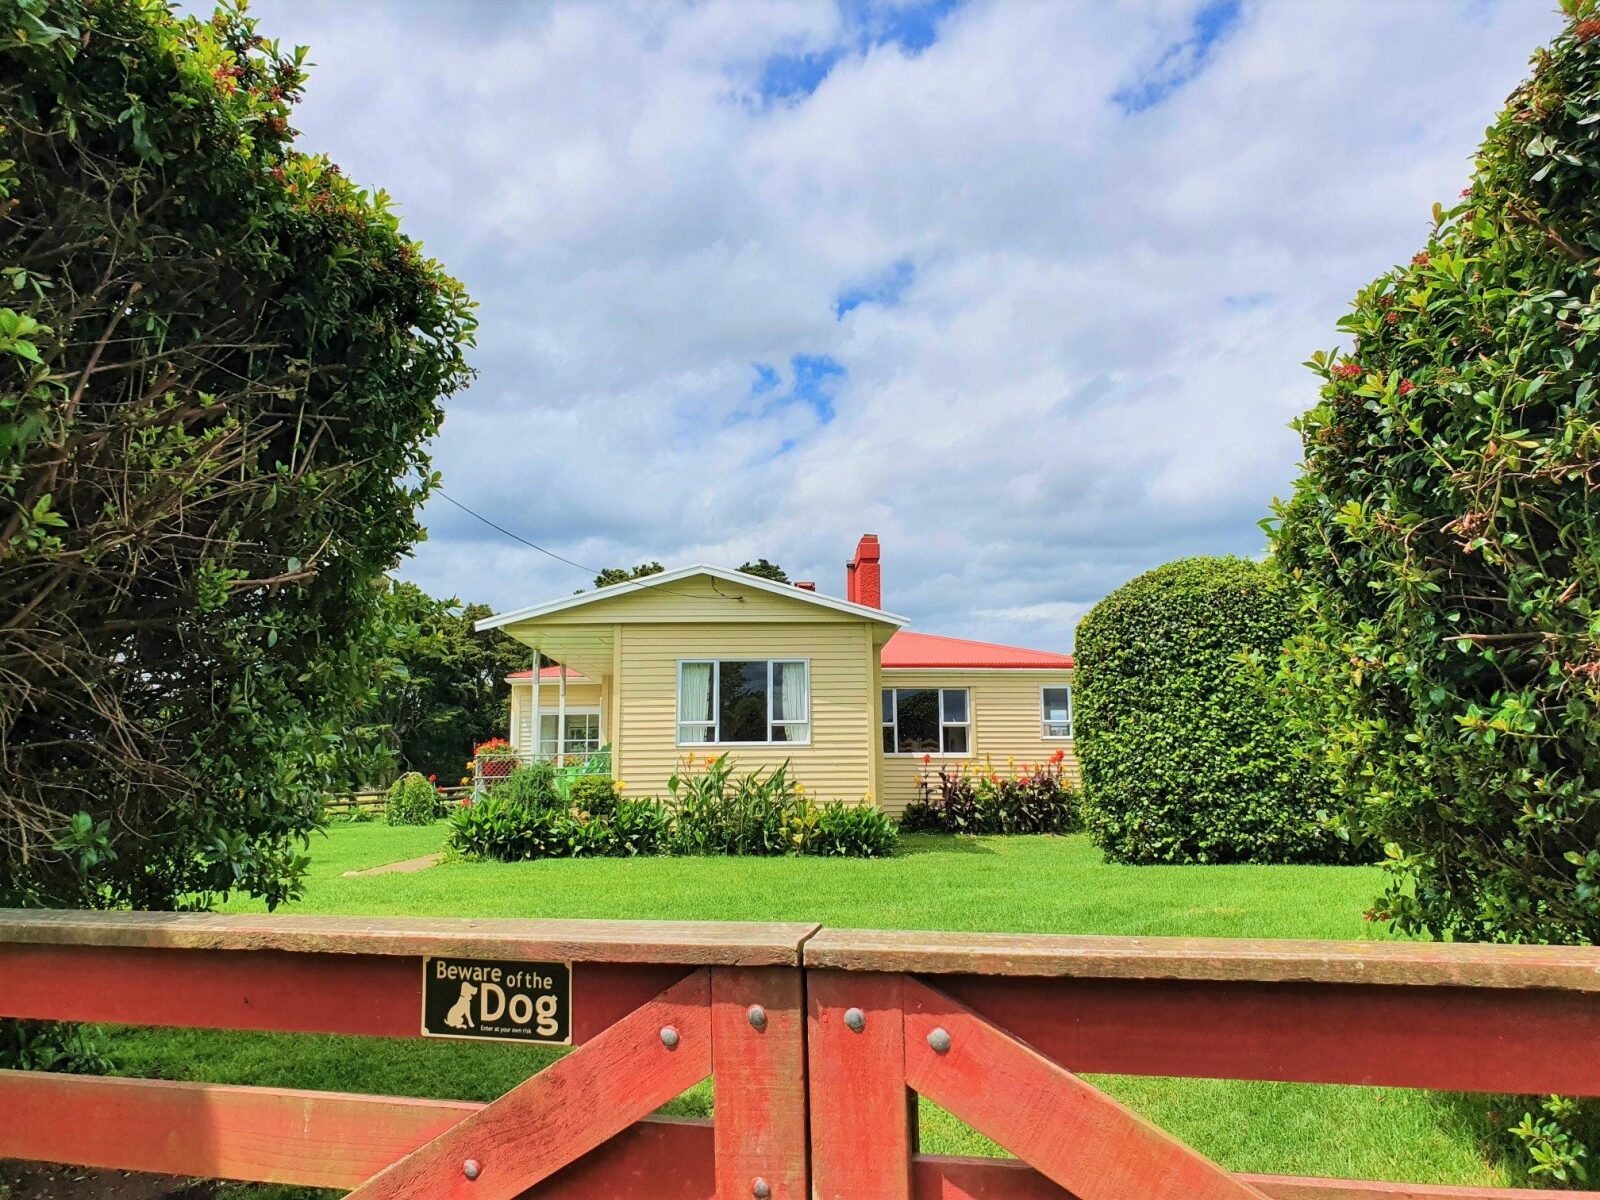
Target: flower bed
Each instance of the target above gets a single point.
(1036, 798)
(710, 810)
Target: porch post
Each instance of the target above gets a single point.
(538, 717)
(561, 716)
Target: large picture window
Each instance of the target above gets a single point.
(926, 721)
(1055, 705)
(742, 701)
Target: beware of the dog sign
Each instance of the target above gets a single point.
(508, 1001)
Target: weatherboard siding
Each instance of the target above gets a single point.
(1006, 726)
(837, 764)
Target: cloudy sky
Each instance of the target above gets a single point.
(1024, 288)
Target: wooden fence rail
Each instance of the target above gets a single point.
(817, 1042)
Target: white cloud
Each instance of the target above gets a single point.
(1089, 370)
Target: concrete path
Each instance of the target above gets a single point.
(399, 868)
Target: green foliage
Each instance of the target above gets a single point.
(1555, 1139)
(1036, 799)
(613, 575)
(412, 800)
(766, 570)
(852, 831)
(1186, 753)
(1445, 538)
(593, 794)
(220, 361)
(530, 788)
(443, 684)
(711, 812)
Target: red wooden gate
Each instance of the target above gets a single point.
(996, 1028)
(655, 1009)
(842, 1028)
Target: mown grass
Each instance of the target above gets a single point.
(1042, 884)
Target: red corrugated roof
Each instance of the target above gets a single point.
(927, 650)
(544, 673)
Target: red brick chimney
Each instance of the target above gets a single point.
(863, 580)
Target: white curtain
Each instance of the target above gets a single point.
(789, 701)
(694, 703)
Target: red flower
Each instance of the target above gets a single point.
(926, 759)
(1406, 387)
(1465, 192)
(1587, 29)
(1058, 756)
(433, 779)
(1420, 259)
(1392, 317)
(1347, 371)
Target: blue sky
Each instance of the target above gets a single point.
(1024, 288)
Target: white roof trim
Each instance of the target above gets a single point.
(787, 590)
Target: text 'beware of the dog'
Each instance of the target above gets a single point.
(509, 1001)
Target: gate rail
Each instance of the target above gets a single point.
(797, 1026)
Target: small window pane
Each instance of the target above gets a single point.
(917, 710)
(743, 702)
(794, 731)
(1057, 704)
(888, 739)
(888, 706)
(955, 739)
(955, 706)
(694, 692)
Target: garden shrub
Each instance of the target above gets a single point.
(1033, 799)
(714, 811)
(1187, 756)
(411, 800)
(221, 362)
(1444, 534)
(532, 787)
(594, 794)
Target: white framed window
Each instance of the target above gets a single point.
(583, 731)
(744, 701)
(927, 721)
(1055, 712)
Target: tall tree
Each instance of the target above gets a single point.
(765, 570)
(220, 362)
(1446, 540)
(611, 575)
(444, 683)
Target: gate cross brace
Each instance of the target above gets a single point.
(566, 1110)
(1068, 1130)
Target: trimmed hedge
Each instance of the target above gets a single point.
(1186, 755)
(1445, 535)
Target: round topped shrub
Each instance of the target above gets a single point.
(1186, 755)
(412, 800)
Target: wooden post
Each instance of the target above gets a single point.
(863, 1118)
(561, 714)
(759, 1069)
(538, 714)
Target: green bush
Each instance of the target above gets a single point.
(411, 800)
(851, 831)
(1186, 754)
(594, 794)
(763, 812)
(531, 787)
(1036, 799)
(1444, 537)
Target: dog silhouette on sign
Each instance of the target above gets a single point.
(460, 1014)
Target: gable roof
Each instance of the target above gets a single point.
(928, 650)
(664, 578)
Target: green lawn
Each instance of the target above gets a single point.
(1043, 884)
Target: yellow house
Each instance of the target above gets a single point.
(707, 660)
